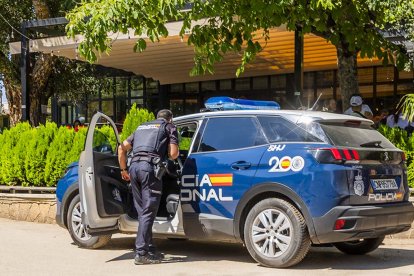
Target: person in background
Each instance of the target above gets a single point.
(78, 123)
(381, 119)
(329, 105)
(358, 108)
(396, 119)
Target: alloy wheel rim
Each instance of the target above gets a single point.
(78, 228)
(271, 233)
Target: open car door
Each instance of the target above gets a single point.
(104, 195)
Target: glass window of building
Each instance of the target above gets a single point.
(208, 86)
(242, 84)
(138, 102)
(151, 87)
(278, 82)
(63, 113)
(225, 85)
(107, 90)
(260, 83)
(137, 87)
(191, 106)
(177, 107)
(121, 87)
(177, 88)
(191, 87)
(93, 107)
(108, 108)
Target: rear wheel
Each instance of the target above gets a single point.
(359, 247)
(275, 233)
(78, 231)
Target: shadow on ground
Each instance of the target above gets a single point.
(318, 257)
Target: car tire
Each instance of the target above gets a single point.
(359, 247)
(275, 233)
(77, 231)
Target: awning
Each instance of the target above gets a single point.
(171, 59)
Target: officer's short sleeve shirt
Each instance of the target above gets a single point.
(171, 132)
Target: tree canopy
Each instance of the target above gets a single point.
(48, 75)
(216, 27)
(236, 25)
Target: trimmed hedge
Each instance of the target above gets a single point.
(39, 156)
(400, 138)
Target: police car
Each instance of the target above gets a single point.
(275, 180)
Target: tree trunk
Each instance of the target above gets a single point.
(347, 74)
(38, 83)
(14, 99)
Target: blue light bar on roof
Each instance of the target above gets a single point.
(227, 103)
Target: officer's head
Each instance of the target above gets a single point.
(165, 114)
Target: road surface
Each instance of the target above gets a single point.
(43, 249)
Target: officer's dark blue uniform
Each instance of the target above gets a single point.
(149, 142)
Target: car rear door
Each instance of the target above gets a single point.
(104, 195)
(218, 171)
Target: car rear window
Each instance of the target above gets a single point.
(354, 136)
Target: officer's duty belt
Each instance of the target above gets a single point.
(149, 159)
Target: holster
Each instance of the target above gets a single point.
(160, 169)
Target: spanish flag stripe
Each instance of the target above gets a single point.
(221, 179)
(221, 175)
(222, 184)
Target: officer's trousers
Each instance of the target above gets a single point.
(146, 190)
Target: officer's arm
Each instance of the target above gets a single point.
(173, 151)
(122, 154)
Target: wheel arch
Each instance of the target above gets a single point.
(70, 193)
(267, 190)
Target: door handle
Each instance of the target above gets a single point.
(240, 165)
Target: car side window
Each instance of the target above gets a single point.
(278, 129)
(231, 133)
(185, 135)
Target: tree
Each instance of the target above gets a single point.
(234, 25)
(48, 75)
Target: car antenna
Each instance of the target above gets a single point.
(317, 100)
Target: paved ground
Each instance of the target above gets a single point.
(43, 249)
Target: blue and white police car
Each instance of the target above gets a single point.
(275, 180)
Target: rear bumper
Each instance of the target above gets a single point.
(364, 221)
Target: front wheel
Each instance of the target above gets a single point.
(78, 231)
(359, 247)
(275, 233)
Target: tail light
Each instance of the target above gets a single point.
(335, 155)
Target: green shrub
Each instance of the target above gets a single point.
(35, 161)
(19, 156)
(134, 118)
(77, 145)
(57, 156)
(10, 139)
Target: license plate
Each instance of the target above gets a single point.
(384, 184)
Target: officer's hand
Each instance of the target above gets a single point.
(125, 175)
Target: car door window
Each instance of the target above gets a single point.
(278, 129)
(185, 135)
(231, 133)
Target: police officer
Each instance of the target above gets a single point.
(151, 143)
